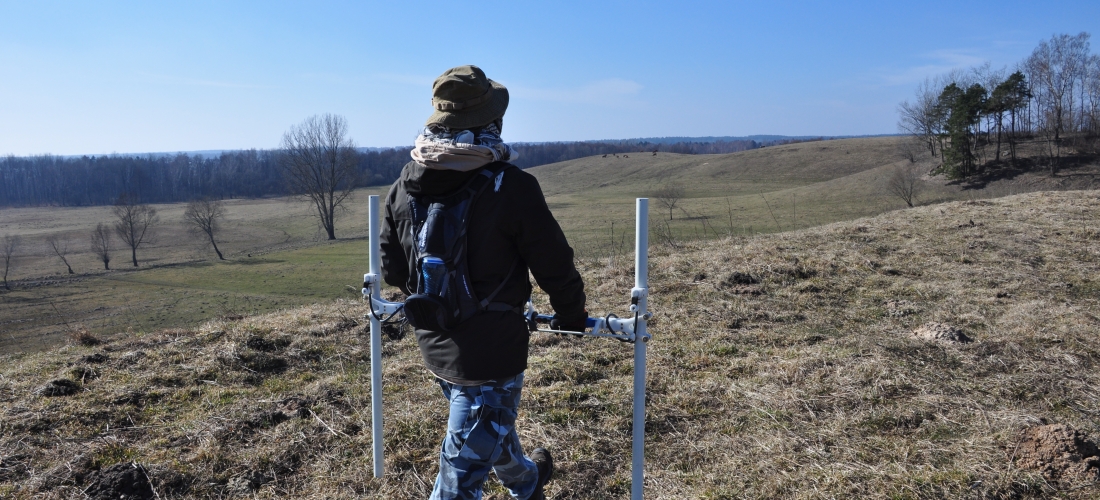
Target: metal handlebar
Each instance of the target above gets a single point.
(610, 326)
(628, 329)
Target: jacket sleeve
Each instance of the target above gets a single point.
(395, 265)
(542, 245)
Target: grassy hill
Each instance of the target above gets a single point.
(792, 365)
(765, 190)
(277, 259)
(746, 172)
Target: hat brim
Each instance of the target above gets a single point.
(476, 116)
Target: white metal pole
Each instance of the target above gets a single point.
(641, 281)
(376, 339)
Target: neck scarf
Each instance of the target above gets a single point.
(440, 148)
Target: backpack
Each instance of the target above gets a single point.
(440, 224)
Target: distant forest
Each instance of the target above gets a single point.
(100, 180)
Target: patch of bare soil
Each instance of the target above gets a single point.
(1059, 452)
(941, 332)
(125, 481)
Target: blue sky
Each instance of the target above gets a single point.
(126, 77)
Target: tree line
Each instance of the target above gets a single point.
(317, 162)
(971, 118)
(100, 180)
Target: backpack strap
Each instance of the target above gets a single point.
(483, 178)
(487, 303)
(491, 172)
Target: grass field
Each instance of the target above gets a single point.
(275, 258)
(781, 366)
(278, 259)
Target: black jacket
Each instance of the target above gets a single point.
(506, 225)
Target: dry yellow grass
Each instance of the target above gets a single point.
(782, 366)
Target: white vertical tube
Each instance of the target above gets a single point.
(641, 280)
(376, 339)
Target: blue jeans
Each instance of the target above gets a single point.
(481, 435)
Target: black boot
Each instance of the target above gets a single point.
(545, 464)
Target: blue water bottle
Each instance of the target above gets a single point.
(433, 274)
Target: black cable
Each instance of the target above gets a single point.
(370, 304)
(607, 320)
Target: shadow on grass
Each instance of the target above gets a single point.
(997, 171)
(17, 296)
(254, 262)
(1006, 169)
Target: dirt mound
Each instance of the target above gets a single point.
(94, 358)
(738, 278)
(128, 481)
(59, 387)
(941, 332)
(1059, 452)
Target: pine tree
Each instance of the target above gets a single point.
(963, 108)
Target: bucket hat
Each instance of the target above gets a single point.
(464, 98)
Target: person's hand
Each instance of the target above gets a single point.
(577, 325)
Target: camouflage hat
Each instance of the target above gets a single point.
(464, 98)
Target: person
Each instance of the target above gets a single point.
(480, 364)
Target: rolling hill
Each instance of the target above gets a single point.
(946, 351)
(276, 259)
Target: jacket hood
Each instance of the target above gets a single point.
(418, 179)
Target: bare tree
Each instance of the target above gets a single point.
(8, 245)
(61, 249)
(319, 163)
(1058, 67)
(1092, 93)
(134, 222)
(101, 244)
(668, 195)
(905, 182)
(204, 217)
(912, 147)
(924, 117)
